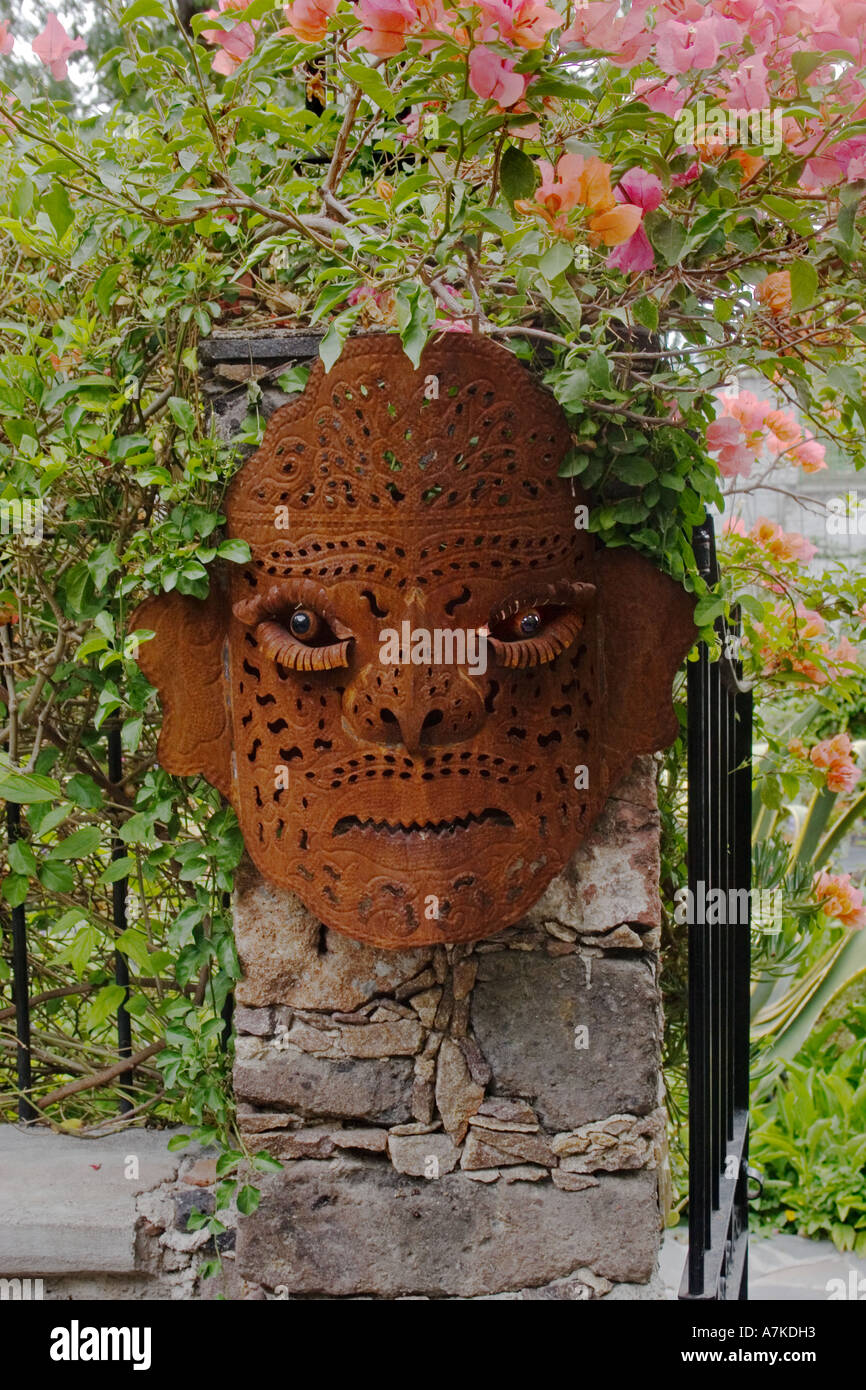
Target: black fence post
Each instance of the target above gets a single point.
(719, 859)
(21, 983)
(118, 903)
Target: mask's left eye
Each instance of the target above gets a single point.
(301, 635)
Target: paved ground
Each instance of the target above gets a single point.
(780, 1267)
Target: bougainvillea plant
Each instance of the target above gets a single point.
(643, 200)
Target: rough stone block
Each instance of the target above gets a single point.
(288, 957)
(526, 1007)
(357, 1088)
(613, 878)
(342, 1229)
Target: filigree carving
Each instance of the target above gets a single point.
(431, 800)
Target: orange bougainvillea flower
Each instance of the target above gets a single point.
(775, 292)
(595, 189)
(751, 164)
(616, 226)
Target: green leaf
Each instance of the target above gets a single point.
(104, 1004)
(646, 311)
(101, 562)
(372, 84)
(56, 203)
(57, 878)
(804, 285)
(22, 198)
(25, 787)
(103, 290)
(248, 1200)
(77, 845)
(516, 174)
(121, 868)
(235, 550)
(598, 368)
(295, 379)
(182, 414)
(667, 236)
(415, 314)
(15, 889)
(143, 9)
(84, 792)
(635, 470)
(556, 260)
(21, 858)
(708, 609)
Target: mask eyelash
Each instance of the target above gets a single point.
(558, 635)
(263, 612)
(564, 605)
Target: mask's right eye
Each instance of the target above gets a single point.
(295, 626)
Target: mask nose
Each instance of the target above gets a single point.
(417, 706)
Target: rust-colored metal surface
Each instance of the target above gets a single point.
(408, 788)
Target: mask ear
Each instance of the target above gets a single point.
(646, 629)
(185, 663)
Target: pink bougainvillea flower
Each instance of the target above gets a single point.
(783, 430)
(748, 89)
(809, 455)
(625, 39)
(642, 188)
(453, 325)
(840, 899)
(687, 176)
(386, 26)
(54, 46)
(666, 98)
(494, 78)
(645, 191)
(634, 256)
(560, 191)
(235, 44)
(726, 439)
(6, 40)
(687, 47)
(782, 545)
(525, 23)
(745, 407)
(308, 19)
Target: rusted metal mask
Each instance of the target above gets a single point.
(421, 690)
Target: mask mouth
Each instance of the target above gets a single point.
(491, 815)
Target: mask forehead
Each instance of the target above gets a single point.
(420, 802)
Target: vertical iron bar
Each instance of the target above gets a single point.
(20, 983)
(698, 681)
(118, 903)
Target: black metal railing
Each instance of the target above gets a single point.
(719, 857)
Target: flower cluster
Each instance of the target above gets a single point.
(585, 183)
(838, 898)
(747, 427)
(789, 642)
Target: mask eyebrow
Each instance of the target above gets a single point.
(564, 593)
(278, 597)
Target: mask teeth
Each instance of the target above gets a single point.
(441, 827)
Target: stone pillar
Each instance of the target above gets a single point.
(461, 1121)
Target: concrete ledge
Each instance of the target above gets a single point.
(68, 1206)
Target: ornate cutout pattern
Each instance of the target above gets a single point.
(409, 802)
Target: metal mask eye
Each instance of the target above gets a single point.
(296, 628)
(533, 630)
